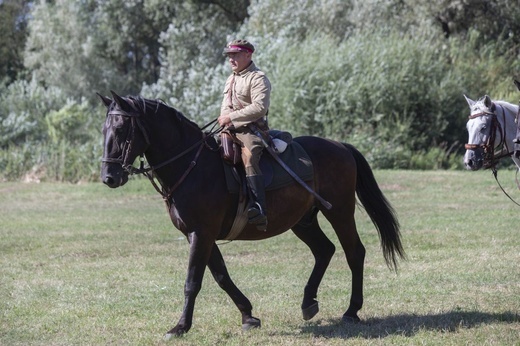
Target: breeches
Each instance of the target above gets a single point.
(252, 148)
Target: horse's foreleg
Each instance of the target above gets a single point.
(220, 274)
(323, 250)
(200, 249)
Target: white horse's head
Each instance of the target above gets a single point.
(491, 129)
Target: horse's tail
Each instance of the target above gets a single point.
(381, 213)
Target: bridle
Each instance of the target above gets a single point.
(123, 160)
(149, 171)
(489, 148)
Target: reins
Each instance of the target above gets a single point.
(142, 170)
(495, 174)
(149, 171)
(167, 194)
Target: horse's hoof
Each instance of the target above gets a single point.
(174, 333)
(350, 319)
(168, 336)
(310, 311)
(251, 323)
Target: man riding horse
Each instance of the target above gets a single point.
(243, 112)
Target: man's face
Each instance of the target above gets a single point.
(239, 60)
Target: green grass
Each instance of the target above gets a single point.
(87, 265)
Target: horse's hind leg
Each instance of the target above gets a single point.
(220, 273)
(344, 225)
(323, 250)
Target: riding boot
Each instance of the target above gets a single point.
(257, 212)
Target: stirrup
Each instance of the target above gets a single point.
(257, 217)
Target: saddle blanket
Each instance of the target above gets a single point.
(275, 176)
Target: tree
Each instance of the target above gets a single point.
(495, 19)
(13, 25)
(128, 35)
(87, 46)
(61, 50)
(192, 69)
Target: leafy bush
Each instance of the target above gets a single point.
(61, 161)
(23, 107)
(390, 86)
(384, 86)
(44, 139)
(71, 123)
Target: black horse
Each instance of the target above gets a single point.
(191, 177)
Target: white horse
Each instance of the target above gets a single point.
(492, 130)
(517, 140)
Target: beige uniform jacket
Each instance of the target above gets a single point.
(249, 98)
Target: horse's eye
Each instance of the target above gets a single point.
(119, 129)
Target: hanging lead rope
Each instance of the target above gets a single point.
(495, 174)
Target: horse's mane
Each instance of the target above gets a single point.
(143, 105)
(511, 107)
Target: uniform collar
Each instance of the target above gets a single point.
(249, 68)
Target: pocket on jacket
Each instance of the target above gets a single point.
(243, 93)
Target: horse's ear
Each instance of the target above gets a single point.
(106, 101)
(517, 83)
(469, 101)
(120, 101)
(487, 101)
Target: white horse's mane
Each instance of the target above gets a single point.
(511, 107)
(481, 105)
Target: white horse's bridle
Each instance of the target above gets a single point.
(489, 147)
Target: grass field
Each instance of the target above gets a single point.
(86, 265)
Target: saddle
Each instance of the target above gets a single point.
(291, 152)
(275, 177)
(230, 146)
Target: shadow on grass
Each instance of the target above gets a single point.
(406, 324)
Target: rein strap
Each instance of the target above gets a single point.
(495, 174)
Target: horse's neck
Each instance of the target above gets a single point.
(506, 116)
(175, 141)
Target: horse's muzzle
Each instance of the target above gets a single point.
(472, 165)
(473, 160)
(113, 175)
(113, 183)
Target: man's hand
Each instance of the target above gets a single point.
(224, 120)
